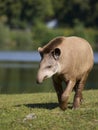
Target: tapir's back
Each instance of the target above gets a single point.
(77, 54)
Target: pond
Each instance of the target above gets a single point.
(21, 78)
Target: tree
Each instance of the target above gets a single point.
(69, 11)
(22, 13)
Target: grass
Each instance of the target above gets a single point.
(45, 113)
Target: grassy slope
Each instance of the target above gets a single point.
(47, 115)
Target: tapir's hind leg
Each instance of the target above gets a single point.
(78, 91)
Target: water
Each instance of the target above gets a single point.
(27, 56)
(92, 82)
(22, 56)
(21, 78)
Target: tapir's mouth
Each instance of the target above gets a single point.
(45, 77)
(40, 81)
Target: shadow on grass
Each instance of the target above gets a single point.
(43, 105)
(48, 106)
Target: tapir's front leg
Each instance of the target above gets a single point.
(66, 93)
(58, 88)
(63, 95)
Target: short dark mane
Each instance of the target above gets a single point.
(52, 44)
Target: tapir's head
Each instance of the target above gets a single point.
(49, 64)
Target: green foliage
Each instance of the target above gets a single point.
(75, 17)
(67, 11)
(89, 34)
(43, 35)
(14, 110)
(4, 37)
(15, 39)
(22, 40)
(24, 13)
(39, 35)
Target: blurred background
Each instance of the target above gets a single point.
(27, 24)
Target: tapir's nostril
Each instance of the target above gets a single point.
(46, 77)
(38, 81)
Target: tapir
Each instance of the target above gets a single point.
(69, 60)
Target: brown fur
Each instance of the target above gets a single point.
(52, 44)
(71, 60)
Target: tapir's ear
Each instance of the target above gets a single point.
(56, 53)
(40, 49)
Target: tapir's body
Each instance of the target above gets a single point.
(68, 59)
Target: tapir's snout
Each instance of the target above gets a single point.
(40, 78)
(38, 82)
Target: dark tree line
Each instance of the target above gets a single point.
(24, 13)
(73, 11)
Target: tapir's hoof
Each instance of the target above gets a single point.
(75, 108)
(76, 105)
(63, 106)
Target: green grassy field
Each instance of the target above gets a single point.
(40, 111)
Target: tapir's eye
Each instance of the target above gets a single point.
(49, 66)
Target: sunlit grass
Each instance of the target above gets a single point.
(14, 111)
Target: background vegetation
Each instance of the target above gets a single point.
(23, 22)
